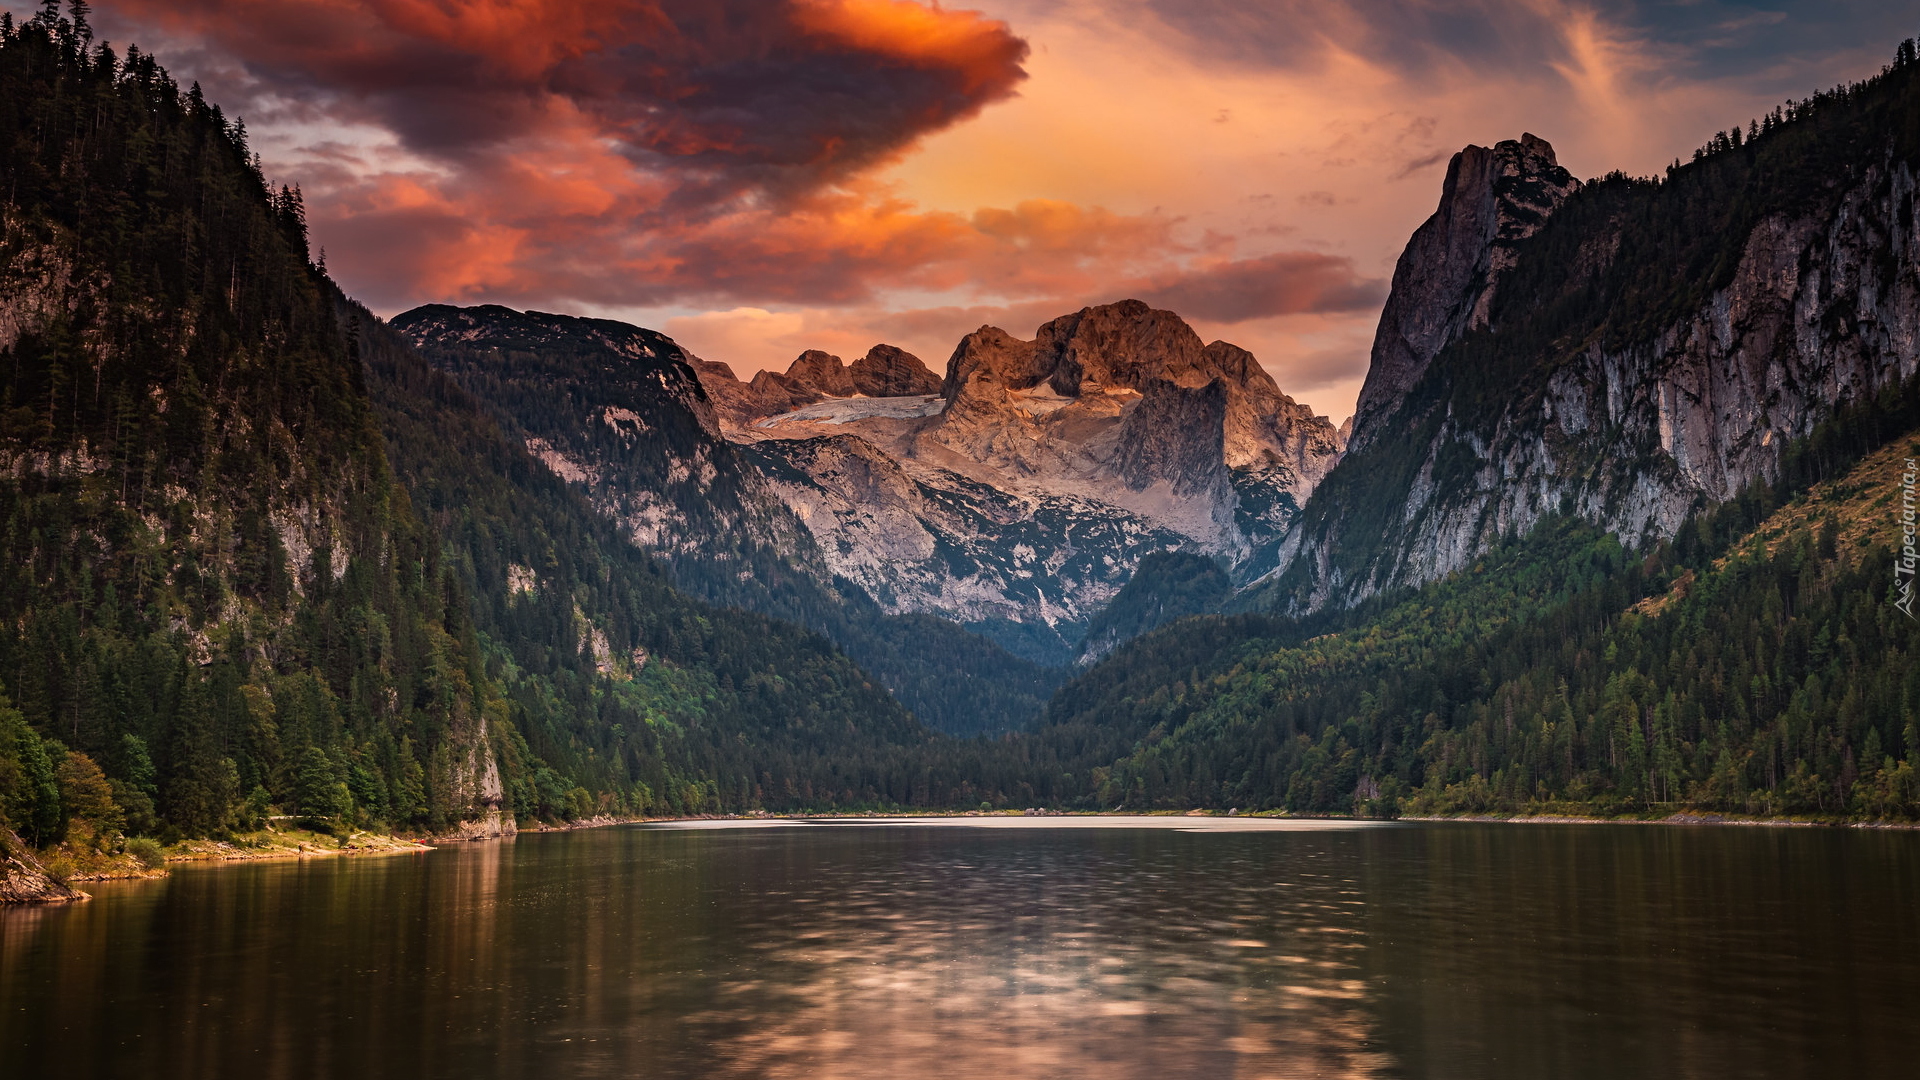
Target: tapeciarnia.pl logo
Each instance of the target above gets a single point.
(1909, 558)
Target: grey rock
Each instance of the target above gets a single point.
(1446, 278)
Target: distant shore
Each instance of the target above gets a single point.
(302, 844)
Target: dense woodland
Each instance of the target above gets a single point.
(264, 560)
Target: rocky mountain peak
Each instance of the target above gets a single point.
(822, 372)
(1125, 345)
(1445, 280)
(1127, 392)
(889, 371)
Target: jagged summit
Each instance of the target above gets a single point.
(1445, 281)
(886, 371)
(1081, 372)
(1116, 420)
(1018, 492)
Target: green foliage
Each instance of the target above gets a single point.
(1772, 677)
(29, 788)
(86, 797)
(1167, 585)
(317, 788)
(217, 584)
(148, 851)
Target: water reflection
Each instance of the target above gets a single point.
(1125, 959)
(999, 952)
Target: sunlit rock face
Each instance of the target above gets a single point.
(1027, 483)
(887, 371)
(1015, 495)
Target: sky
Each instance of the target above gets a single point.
(761, 177)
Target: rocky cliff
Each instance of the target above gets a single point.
(1014, 496)
(616, 413)
(1650, 349)
(1449, 274)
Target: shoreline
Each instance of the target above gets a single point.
(363, 844)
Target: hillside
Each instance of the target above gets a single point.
(265, 560)
(1758, 666)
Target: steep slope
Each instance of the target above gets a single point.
(1166, 587)
(614, 679)
(1449, 274)
(617, 412)
(1763, 668)
(1649, 351)
(210, 566)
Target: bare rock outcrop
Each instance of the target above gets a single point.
(1446, 278)
(822, 373)
(23, 880)
(888, 371)
(1063, 395)
(1632, 430)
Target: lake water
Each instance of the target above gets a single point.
(1165, 948)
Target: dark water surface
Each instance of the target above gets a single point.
(920, 951)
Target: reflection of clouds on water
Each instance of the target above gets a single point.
(1104, 968)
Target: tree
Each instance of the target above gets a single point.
(317, 788)
(86, 797)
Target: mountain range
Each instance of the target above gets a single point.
(1613, 530)
(1014, 496)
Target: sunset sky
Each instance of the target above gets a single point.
(758, 177)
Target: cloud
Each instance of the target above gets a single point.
(779, 94)
(1287, 283)
(603, 150)
(1423, 40)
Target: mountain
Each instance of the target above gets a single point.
(1762, 670)
(1019, 499)
(616, 413)
(1618, 530)
(814, 376)
(1013, 498)
(1630, 351)
(212, 566)
(1167, 586)
(1446, 280)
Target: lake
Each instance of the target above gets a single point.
(1001, 948)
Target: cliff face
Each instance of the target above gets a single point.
(1446, 279)
(623, 412)
(1652, 350)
